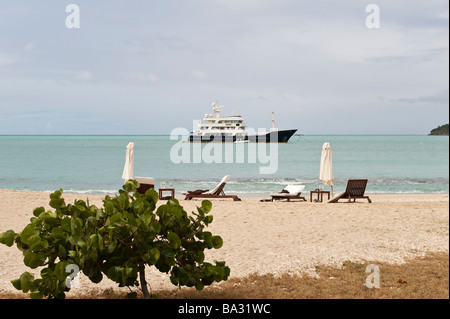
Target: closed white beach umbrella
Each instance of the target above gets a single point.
(129, 163)
(326, 166)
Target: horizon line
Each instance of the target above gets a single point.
(299, 135)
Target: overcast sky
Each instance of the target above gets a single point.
(147, 67)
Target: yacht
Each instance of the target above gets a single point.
(218, 128)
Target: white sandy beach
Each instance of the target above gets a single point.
(277, 237)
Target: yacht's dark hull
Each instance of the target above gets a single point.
(270, 137)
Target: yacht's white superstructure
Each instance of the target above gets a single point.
(218, 125)
(218, 128)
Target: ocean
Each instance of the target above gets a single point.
(94, 164)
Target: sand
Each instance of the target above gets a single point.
(277, 237)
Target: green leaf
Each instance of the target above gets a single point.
(37, 211)
(129, 218)
(82, 246)
(173, 202)
(131, 185)
(96, 278)
(175, 241)
(220, 263)
(66, 223)
(60, 270)
(62, 252)
(99, 214)
(57, 203)
(217, 242)
(34, 239)
(34, 260)
(101, 245)
(39, 245)
(123, 200)
(58, 233)
(46, 273)
(152, 195)
(207, 237)
(94, 240)
(7, 238)
(207, 206)
(111, 246)
(109, 207)
(26, 279)
(199, 285)
(72, 254)
(146, 218)
(174, 280)
(52, 221)
(208, 280)
(116, 219)
(16, 284)
(153, 255)
(76, 225)
(200, 256)
(155, 227)
(208, 220)
(208, 269)
(26, 233)
(56, 194)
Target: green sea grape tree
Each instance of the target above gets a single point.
(118, 241)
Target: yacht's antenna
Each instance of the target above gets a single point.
(273, 122)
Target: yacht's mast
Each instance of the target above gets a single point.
(217, 109)
(273, 122)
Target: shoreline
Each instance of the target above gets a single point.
(276, 237)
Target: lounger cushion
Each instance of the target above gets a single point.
(295, 189)
(145, 180)
(224, 180)
(292, 190)
(197, 192)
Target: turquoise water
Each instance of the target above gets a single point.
(94, 164)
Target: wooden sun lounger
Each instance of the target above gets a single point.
(287, 196)
(215, 193)
(355, 190)
(294, 192)
(234, 197)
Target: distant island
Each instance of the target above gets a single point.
(440, 130)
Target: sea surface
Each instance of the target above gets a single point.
(94, 164)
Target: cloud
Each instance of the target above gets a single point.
(83, 75)
(142, 78)
(28, 116)
(6, 60)
(420, 56)
(29, 47)
(441, 97)
(199, 75)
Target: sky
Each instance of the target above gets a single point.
(148, 67)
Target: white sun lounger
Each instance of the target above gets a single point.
(293, 192)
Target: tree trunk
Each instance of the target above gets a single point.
(143, 281)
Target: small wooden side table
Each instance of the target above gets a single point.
(171, 190)
(319, 195)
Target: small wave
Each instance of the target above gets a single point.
(88, 191)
